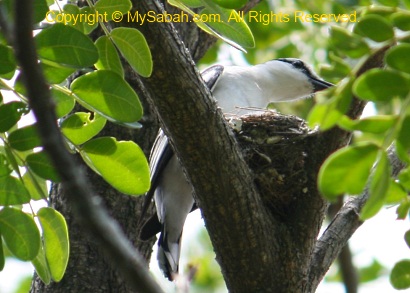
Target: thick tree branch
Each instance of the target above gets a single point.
(87, 205)
(345, 259)
(223, 184)
(245, 228)
(348, 270)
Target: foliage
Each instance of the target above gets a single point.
(218, 20)
(365, 162)
(65, 47)
(24, 165)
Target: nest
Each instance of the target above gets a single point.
(274, 146)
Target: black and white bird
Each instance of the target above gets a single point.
(235, 89)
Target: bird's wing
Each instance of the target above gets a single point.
(161, 153)
(211, 75)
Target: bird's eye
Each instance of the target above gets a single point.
(298, 64)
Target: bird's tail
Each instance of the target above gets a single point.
(168, 255)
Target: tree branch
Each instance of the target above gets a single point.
(348, 270)
(224, 187)
(88, 206)
(345, 259)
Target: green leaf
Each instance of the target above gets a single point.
(395, 193)
(407, 238)
(12, 191)
(374, 27)
(402, 153)
(404, 178)
(324, 115)
(72, 12)
(403, 210)
(403, 136)
(380, 85)
(338, 68)
(40, 164)
(329, 113)
(120, 163)
(64, 45)
(401, 20)
(2, 258)
(400, 275)
(40, 264)
(40, 9)
(56, 243)
(392, 3)
(88, 27)
(105, 92)
(10, 114)
(64, 102)
(134, 48)
(350, 44)
(82, 19)
(347, 170)
(7, 62)
(20, 233)
(375, 124)
(11, 159)
(36, 186)
(398, 57)
(230, 25)
(371, 272)
(110, 7)
(230, 4)
(109, 58)
(56, 74)
(19, 86)
(215, 18)
(379, 185)
(24, 139)
(79, 127)
(403, 141)
(4, 166)
(383, 11)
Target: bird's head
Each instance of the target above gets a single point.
(299, 67)
(291, 79)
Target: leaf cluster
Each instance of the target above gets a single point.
(25, 169)
(364, 164)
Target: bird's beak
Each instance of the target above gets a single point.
(320, 85)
